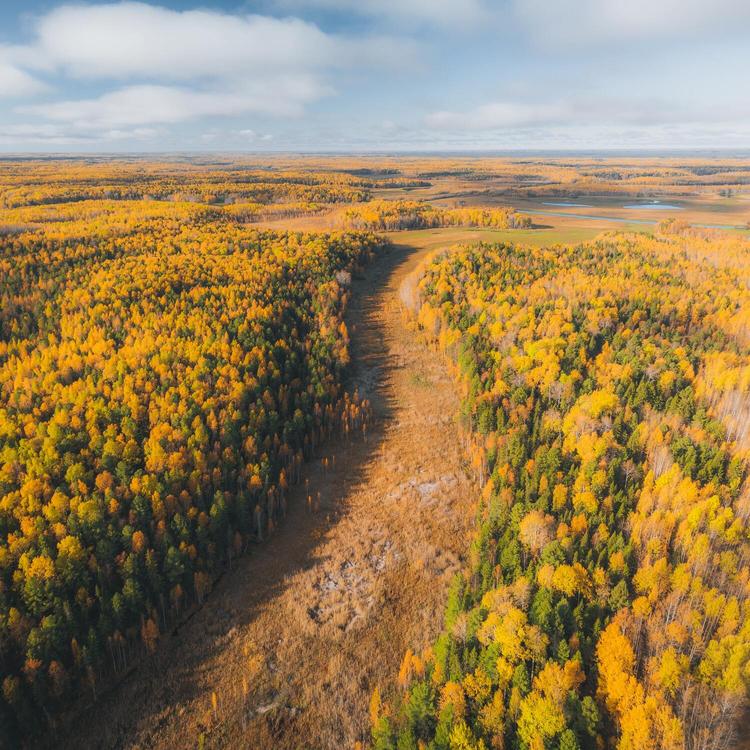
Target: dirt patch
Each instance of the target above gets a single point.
(291, 643)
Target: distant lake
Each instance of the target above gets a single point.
(562, 203)
(651, 206)
(620, 219)
(655, 206)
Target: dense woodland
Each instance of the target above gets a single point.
(25, 184)
(164, 372)
(606, 392)
(388, 215)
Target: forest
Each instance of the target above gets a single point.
(176, 362)
(392, 215)
(164, 371)
(606, 403)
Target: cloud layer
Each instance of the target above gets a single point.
(133, 39)
(139, 105)
(506, 114)
(324, 73)
(600, 22)
(171, 66)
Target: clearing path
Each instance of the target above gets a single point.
(292, 642)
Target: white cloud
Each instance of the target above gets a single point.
(154, 104)
(136, 40)
(497, 115)
(138, 134)
(183, 65)
(235, 138)
(583, 112)
(15, 82)
(589, 123)
(36, 133)
(251, 135)
(48, 134)
(597, 22)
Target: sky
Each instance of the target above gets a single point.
(374, 75)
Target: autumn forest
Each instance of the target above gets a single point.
(211, 372)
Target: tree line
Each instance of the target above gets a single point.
(389, 215)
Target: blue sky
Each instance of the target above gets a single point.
(374, 75)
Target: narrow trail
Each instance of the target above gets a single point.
(294, 639)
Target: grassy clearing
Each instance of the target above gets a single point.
(431, 239)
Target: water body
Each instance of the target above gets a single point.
(655, 206)
(620, 219)
(570, 205)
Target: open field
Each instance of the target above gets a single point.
(432, 239)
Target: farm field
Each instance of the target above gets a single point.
(319, 451)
